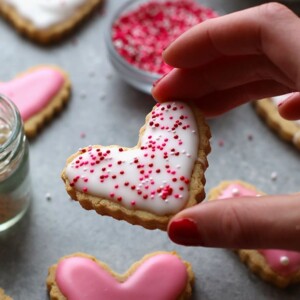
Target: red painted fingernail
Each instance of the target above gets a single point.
(185, 232)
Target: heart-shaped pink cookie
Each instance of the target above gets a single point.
(280, 267)
(159, 276)
(287, 130)
(38, 93)
(46, 21)
(151, 182)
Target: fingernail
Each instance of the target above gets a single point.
(185, 232)
(158, 80)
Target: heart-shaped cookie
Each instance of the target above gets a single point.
(280, 267)
(287, 130)
(3, 296)
(159, 276)
(38, 93)
(46, 21)
(151, 182)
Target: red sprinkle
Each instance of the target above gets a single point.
(141, 35)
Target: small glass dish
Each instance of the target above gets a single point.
(138, 78)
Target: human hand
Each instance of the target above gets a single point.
(220, 64)
(227, 61)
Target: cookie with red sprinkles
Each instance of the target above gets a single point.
(151, 182)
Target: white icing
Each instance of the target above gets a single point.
(169, 170)
(45, 13)
(278, 99)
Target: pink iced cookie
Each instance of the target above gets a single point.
(280, 267)
(159, 276)
(38, 93)
(151, 182)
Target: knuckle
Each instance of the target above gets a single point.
(273, 10)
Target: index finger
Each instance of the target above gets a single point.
(270, 29)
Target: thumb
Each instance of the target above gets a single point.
(246, 222)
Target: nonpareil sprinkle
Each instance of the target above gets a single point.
(141, 35)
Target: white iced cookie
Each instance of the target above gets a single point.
(46, 21)
(151, 182)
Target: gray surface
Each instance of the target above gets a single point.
(110, 112)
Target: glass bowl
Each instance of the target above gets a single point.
(138, 75)
(138, 78)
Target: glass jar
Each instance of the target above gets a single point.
(15, 187)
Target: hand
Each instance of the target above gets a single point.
(220, 64)
(227, 61)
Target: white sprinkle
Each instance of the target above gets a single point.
(235, 192)
(284, 260)
(48, 196)
(273, 176)
(178, 167)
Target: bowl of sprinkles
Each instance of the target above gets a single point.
(139, 32)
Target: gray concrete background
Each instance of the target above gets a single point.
(107, 111)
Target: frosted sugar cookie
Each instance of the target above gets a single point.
(159, 276)
(151, 182)
(46, 21)
(38, 93)
(287, 130)
(279, 267)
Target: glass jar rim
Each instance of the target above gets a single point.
(116, 14)
(16, 124)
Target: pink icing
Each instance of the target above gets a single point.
(161, 277)
(32, 91)
(235, 190)
(283, 262)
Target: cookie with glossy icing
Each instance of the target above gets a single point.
(159, 276)
(287, 130)
(46, 21)
(279, 267)
(151, 182)
(39, 93)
